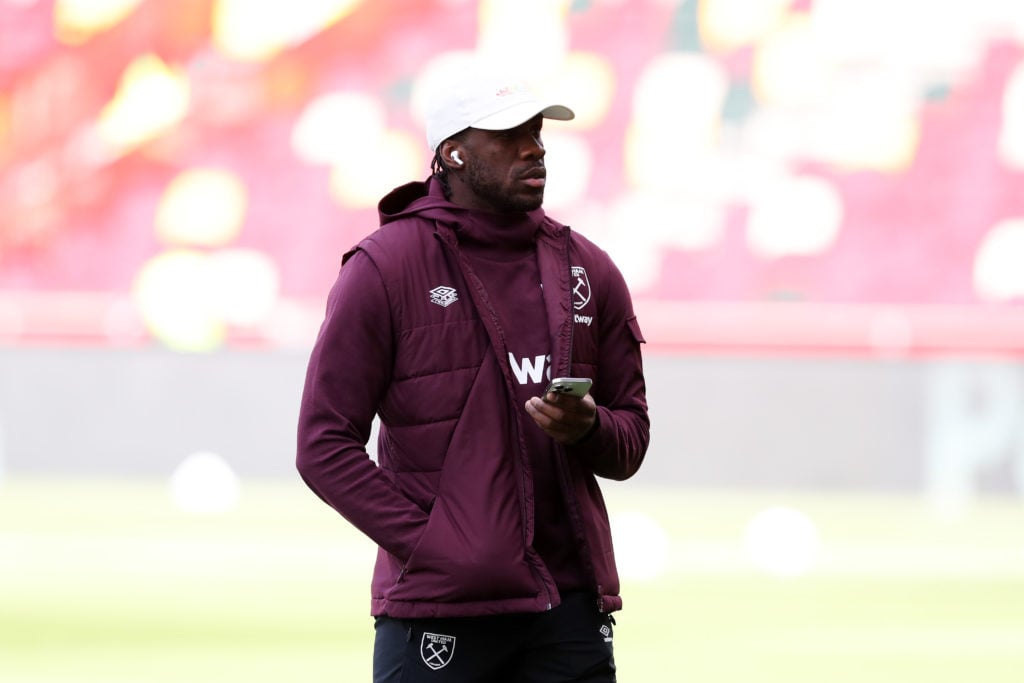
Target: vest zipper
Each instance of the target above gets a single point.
(571, 502)
(481, 299)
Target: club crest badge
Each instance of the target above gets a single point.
(580, 287)
(444, 296)
(437, 650)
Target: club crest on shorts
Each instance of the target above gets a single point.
(580, 287)
(437, 650)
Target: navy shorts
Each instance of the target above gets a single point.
(572, 642)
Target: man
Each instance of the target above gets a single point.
(495, 558)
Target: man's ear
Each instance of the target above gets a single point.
(452, 155)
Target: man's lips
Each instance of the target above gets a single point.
(535, 177)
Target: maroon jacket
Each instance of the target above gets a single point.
(409, 335)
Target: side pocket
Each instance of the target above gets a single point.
(411, 563)
(419, 487)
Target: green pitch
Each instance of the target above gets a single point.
(108, 581)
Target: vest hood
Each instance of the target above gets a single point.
(422, 199)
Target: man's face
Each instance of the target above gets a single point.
(504, 169)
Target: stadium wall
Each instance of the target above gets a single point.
(943, 426)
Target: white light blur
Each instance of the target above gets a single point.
(1011, 134)
(187, 298)
(794, 215)
(677, 107)
(338, 125)
(173, 292)
(729, 24)
(359, 180)
(641, 546)
(204, 483)
(667, 222)
(934, 37)
(75, 21)
(585, 84)
(202, 207)
(245, 285)
(999, 262)
(638, 226)
(782, 541)
(151, 99)
(683, 93)
(504, 23)
(256, 30)
(872, 122)
(570, 165)
(348, 131)
(789, 68)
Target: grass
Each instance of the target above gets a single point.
(106, 581)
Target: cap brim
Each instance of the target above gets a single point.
(521, 113)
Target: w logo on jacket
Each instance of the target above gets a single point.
(530, 370)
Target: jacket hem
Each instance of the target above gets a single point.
(431, 610)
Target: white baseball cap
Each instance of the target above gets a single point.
(487, 101)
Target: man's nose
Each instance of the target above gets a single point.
(533, 148)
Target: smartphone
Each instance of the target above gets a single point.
(574, 386)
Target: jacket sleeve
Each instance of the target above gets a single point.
(349, 371)
(616, 447)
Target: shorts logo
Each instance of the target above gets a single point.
(444, 296)
(580, 287)
(437, 650)
(607, 633)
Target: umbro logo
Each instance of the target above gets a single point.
(444, 296)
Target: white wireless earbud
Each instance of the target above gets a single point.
(456, 158)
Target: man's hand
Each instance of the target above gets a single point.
(564, 418)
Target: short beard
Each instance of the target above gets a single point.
(488, 188)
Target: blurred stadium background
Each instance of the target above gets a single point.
(818, 204)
